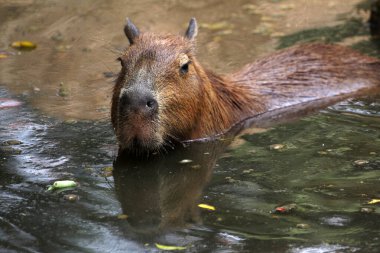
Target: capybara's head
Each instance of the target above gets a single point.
(156, 96)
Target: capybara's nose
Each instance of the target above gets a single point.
(139, 102)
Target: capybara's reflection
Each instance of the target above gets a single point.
(163, 192)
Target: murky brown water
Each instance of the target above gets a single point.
(77, 42)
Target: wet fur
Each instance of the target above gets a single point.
(203, 103)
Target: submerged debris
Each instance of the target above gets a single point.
(71, 197)
(11, 142)
(10, 151)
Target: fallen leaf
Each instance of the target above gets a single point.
(208, 207)
(361, 162)
(107, 172)
(276, 146)
(122, 216)
(303, 226)
(185, 161)
(285, 209)
(23, 45)
(374, 201)
(169, 247)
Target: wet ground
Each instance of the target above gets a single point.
(303, 186)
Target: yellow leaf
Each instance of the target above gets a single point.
(2, 56)
(122, 216)
(208, 207)
(23, 45)
(374, 201)
(169, 247)
(108, 169)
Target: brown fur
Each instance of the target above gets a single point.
(201, 103)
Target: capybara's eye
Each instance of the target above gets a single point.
(184, 68)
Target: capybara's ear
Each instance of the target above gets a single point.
(131, 31)
(192, 30)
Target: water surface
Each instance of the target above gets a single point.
(322, 169)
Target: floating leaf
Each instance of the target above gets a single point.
(303, 226)
(2, 56)
(122, 216)
(361, 162)
(107, 172)
(107, 169)
(6, 103)
(285, 209)
(208, 207)
(23, 45)
(186, 161)
(169, 247)
(367, 210)
(374, 201)
(276, 146)
(62, 184)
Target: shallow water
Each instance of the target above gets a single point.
(314, 171)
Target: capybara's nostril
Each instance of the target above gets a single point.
(152, 104)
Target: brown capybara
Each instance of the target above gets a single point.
(163, 93)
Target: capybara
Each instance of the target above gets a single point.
(163, 94)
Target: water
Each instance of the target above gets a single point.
(310, 166)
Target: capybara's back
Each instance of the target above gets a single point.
(309, 72)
